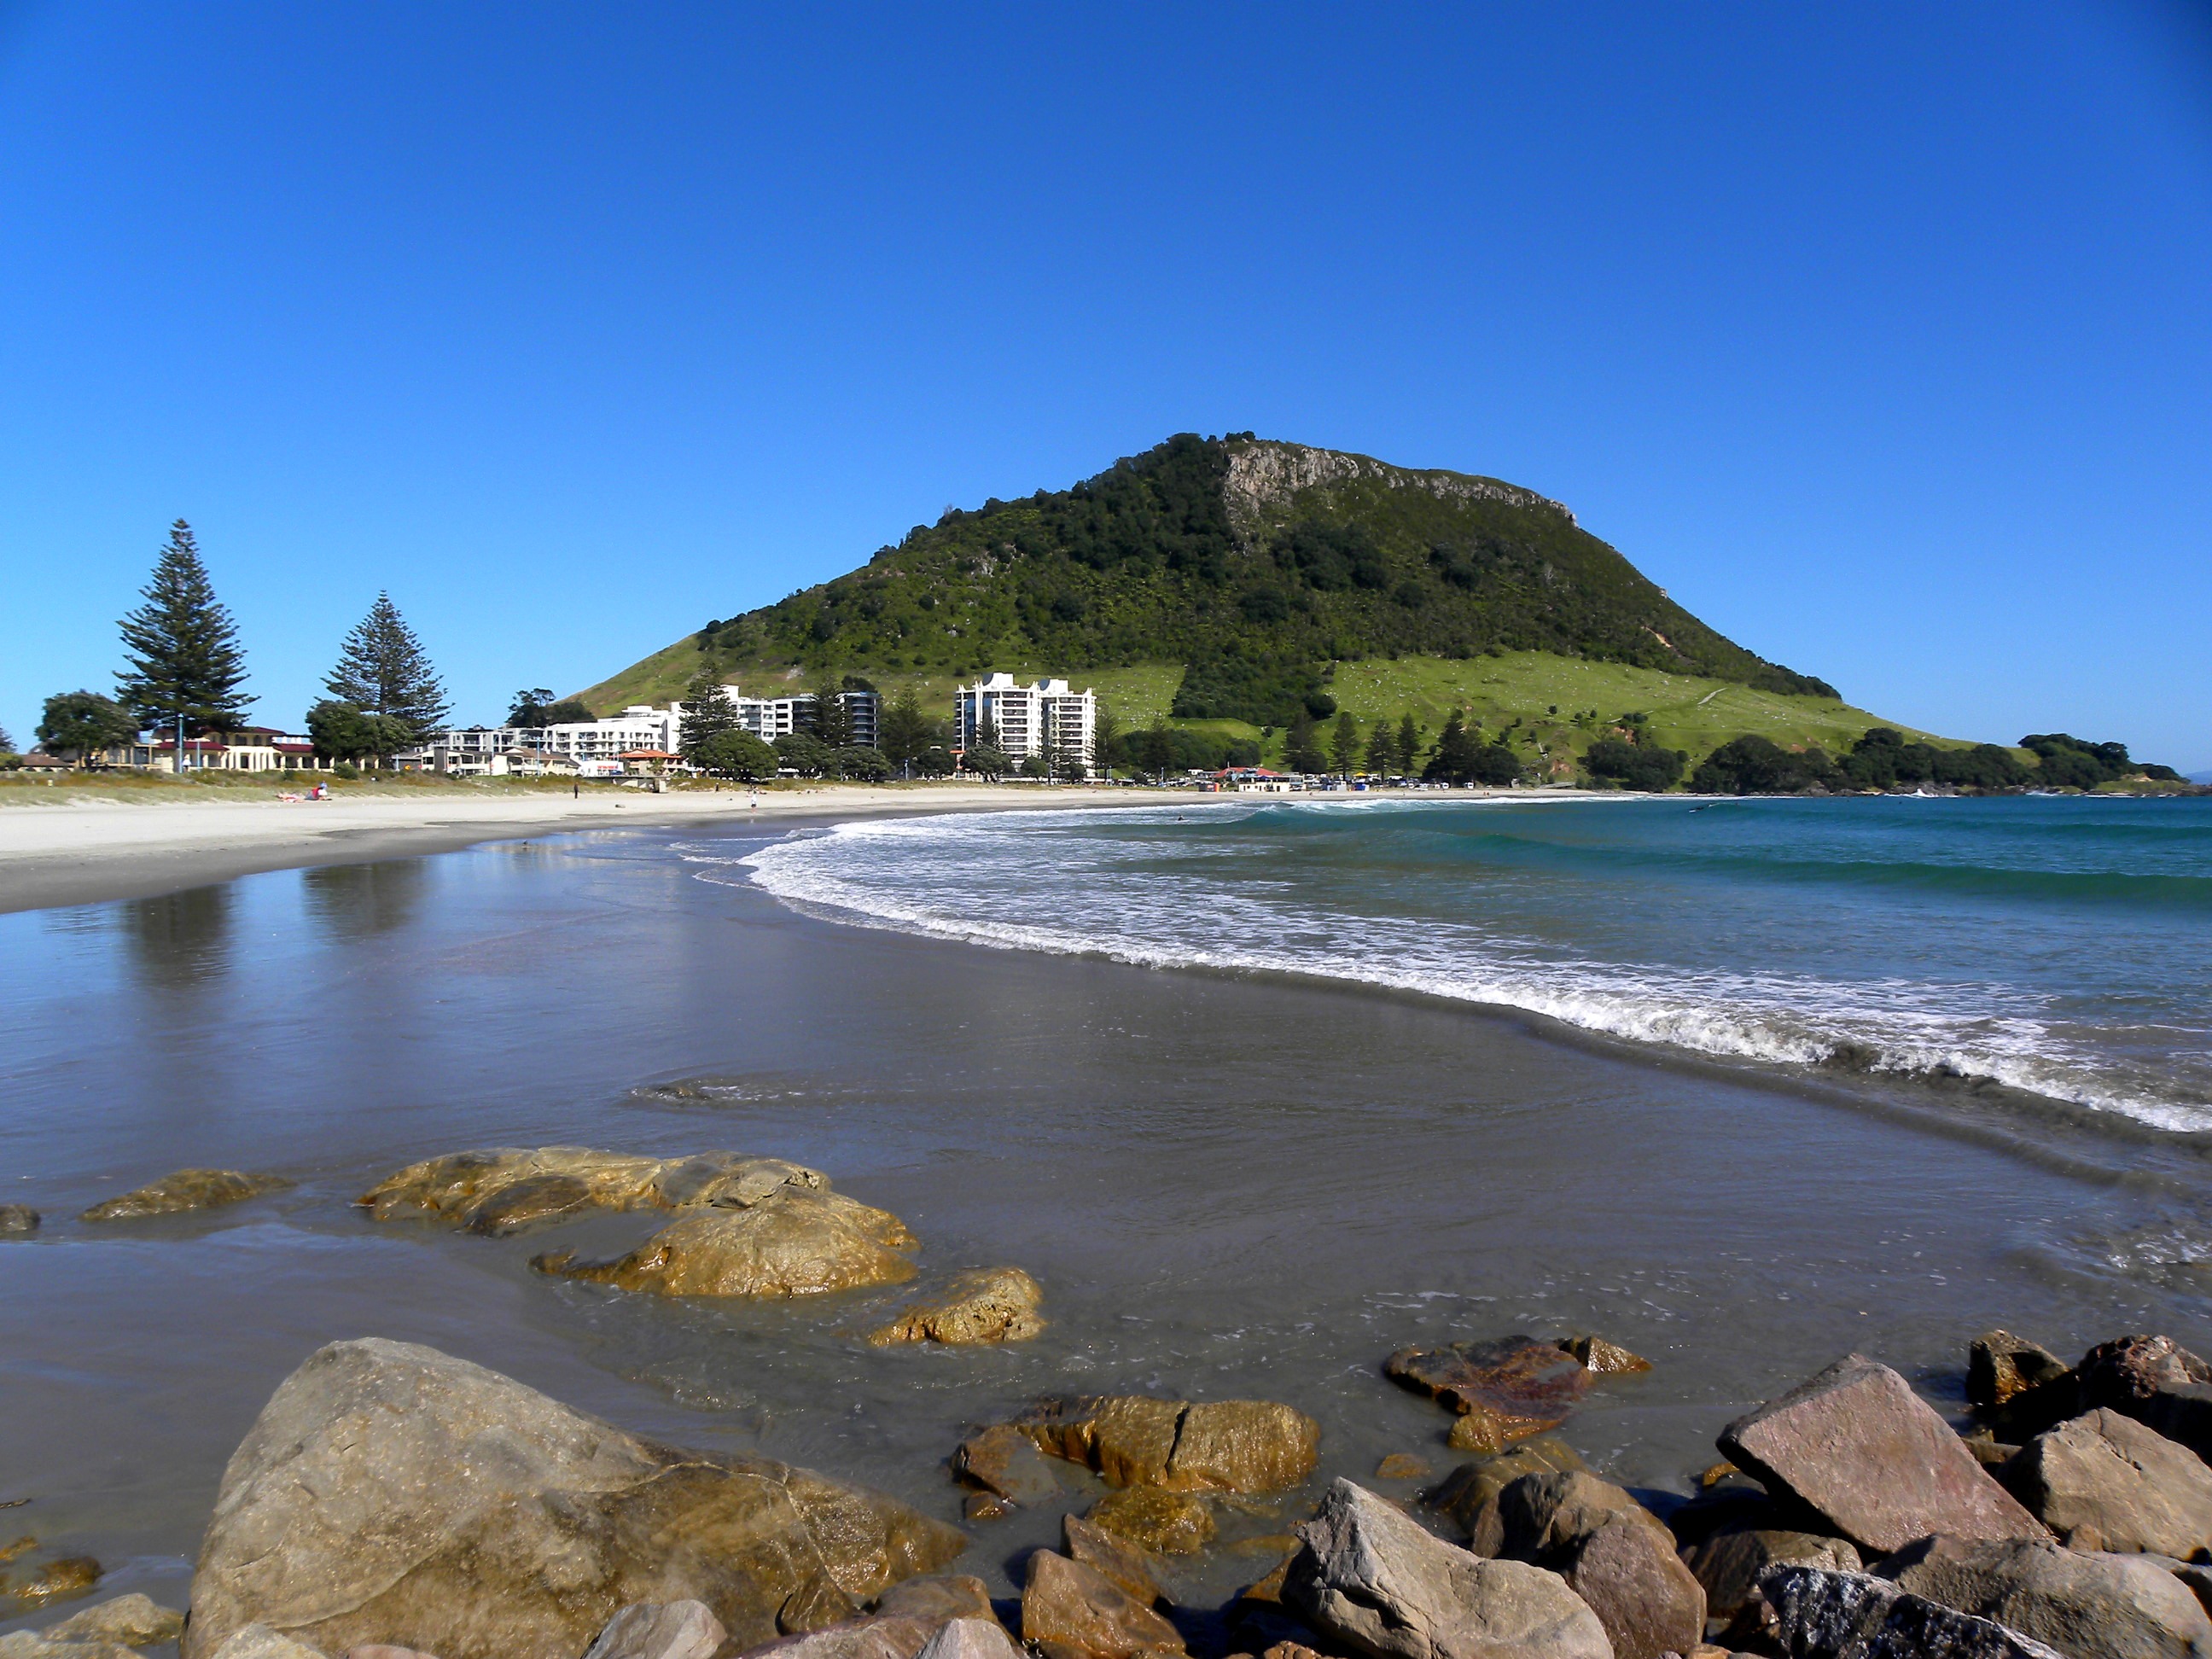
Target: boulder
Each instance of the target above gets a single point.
(1164, 1522)
(1127, 1565)
(1857, 1446)
(803, 1241)
(1545, 1517)
(181, 1190)
(935, 1597)
(507, 1188)
(1220, 1445)
(2107, 1482)
(2154, 1380)
(657, 1630)
(1071, 1612)
(971, 1638)
(996, 1305)
(388, 1492)
(1602, 1359)
(1848, 1615)
(1503, 1390)
(259, 1641)
(17, 1219)
(2086, 1605)
(1730, 1566)
(2000, 1365)
(1463, 1493)
(1004, 1460)
(853, 1639)
(1613, 1553)
(129, 1621)
(1367, 1576)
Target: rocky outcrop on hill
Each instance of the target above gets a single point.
(391, 1493)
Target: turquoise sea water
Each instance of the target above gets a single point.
(2053, 949)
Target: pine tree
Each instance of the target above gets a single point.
(383, 670)
(1302, 750)
(1343, 743)
(1409, 742)
(905, 734)
(182, 647)
(1381, 749)
(708, 714)
(832, 721)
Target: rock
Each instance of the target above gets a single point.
(505, 1188)
(2000, 1365)
(971, 1638)
(1602, 1359)
(1402, 1466)
(1004, 1460)
(390, 1492)
(1848, 1615)
(1730, 1566)
(1463, 1493)
(935, 1597)
(1990, 1453)
(17, 1219)
(2107, 1482)
(31, 1644)
(61, 1580)
(129, 1621)
(1713, 1474)
(853, 1639)
(1544, 1517)
(385, 1651)
(1504, 1390)
(997, 1304)
(1220, 1445)
(986, 1506)
(1164, 1522)
(184, 1189)
(803, 1241)
(2154, 1380)
(2086, 1605)
(259, 1641)
(1367, 1576)
(1127, 1565)
(1856, 1445)
(2198, 1580)
(658, 1630)
(1290, 1651)
(1071, 1612)
(1649, 1603)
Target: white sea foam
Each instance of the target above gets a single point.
(1052, 882)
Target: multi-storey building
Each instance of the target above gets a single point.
(770, 717)
(1046, 719)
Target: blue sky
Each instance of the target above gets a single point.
(1880, 335)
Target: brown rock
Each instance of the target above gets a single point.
(387, 1651)
(1730, 1566)
(1402, 1466)
(1071, 1612)
(391, 1493)
(1222, 1445)
(506, 1188)
(1544, 1518)
(17, 1221)
(971, 1638)
(2085, 1605)
(996, 1305)
(1004, 1460)
(1126, 1564)
(2000, 1365)
(986, 1506)
(934, 1598)
(802, 1242)
(182, 1190)
(1649, 1603)
(1856, 1445)
(1463, 1493)
(2154, 1380)
(1164, 1522)
(2107, 1482)
(1714, 1474)
(1603, 1358)
(129, 1621)
(1507, 1389)
(59, 1580)
(852, 1639)
(656, 1630)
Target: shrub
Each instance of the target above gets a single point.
(1634, 765)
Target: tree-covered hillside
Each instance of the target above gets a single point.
(1250, 562)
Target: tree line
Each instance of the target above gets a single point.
(1883, 759)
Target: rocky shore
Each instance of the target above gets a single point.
(391, 1501)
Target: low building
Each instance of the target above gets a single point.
(248, 749)
(1047, 720)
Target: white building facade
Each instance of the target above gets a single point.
(1046, 719)
(770, 717)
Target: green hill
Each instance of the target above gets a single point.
(1233, 580)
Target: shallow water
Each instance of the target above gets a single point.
(1229, 1183)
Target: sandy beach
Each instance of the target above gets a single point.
(84, 851)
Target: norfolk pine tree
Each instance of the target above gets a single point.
(383, 670)
(1343, 743)
(708, 714)
(181, 647)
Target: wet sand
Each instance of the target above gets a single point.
(1229, 1187)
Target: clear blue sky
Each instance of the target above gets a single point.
(1880, 335)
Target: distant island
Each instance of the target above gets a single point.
(1252, 600)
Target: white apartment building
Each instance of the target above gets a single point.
(472, 750)
(770, 717)
(1031, 720)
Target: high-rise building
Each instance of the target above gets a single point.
(1046, 719)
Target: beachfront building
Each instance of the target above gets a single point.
(248, 749)
(1045, 719)
(594, 748)
(770, 717)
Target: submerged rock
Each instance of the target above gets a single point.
(1503, 1390)
(1857, 1446)
(1005, 1461)
(32, 1644)
(18, 1219)
(1071, 1612)
(1219, 1445)
(182, 1190)
(1164, 1522)
(1602, 1359)
(505, 1189)
(1366, 1576)
(800, 1241)
(1849, 1616)
(994, 1304)
(129, 1621)
(2107, 1482)
(60, 1580)
(1130, 1566)
(2086, 1605)
(389, 1492)
(2155, 1380)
